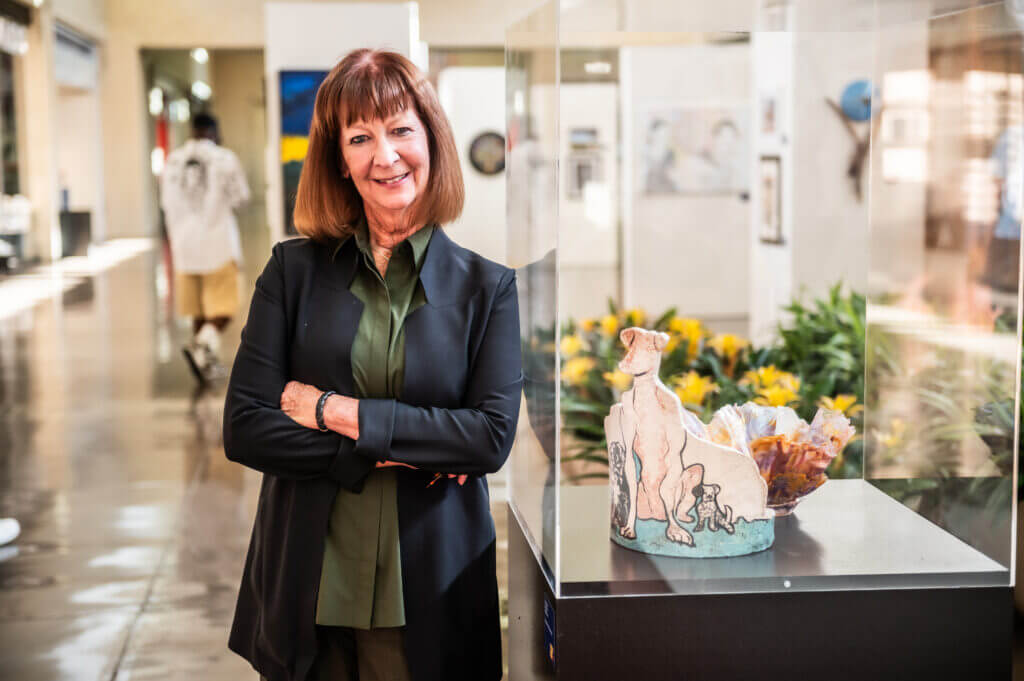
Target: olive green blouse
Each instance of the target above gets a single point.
(361, 578)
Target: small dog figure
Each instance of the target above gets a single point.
(709, 512)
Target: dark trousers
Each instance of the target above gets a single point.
(359, 655)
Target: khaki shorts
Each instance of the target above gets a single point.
(208, 295)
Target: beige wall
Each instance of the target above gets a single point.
(86, 16)
(237, 80)
(37, 147)
(131, 25)
(239, 23)
(40, 119)
(77, 151)
(125, 151)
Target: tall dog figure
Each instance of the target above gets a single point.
(649, 423)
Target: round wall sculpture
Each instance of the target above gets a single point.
(487, 153)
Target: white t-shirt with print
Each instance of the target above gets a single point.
(201, 185)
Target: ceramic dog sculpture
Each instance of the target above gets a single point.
(661, 469)
(649, 423)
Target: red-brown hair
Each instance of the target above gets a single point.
(364, 86)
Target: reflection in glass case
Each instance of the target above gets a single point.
(815, 208)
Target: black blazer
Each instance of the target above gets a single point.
(460, 404)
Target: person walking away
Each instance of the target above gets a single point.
(200, 188)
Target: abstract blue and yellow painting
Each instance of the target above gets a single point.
(298, 95)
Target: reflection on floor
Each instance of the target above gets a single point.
(134, 524)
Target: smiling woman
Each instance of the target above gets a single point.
(377, 118)
(377, 382)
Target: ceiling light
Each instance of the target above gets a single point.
(201, 90)
(200, 55)
(179, 110)
(156, 160)
(156, 101)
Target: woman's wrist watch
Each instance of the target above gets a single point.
(320, 410)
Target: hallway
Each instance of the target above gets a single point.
(134, 525)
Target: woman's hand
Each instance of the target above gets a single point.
(341, 414)
(299, 401)
(391, 464)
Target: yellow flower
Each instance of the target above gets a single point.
(571, 345)
(692, 388)
(761, 377)
(728, 345)
(686, 326)
(893, 436)
(844, 403)
(689, 330)
(673, 343)
(576, 369)
(770, 376)
(588, 325)
(776, 396)
(636, 317)
(610, 325)
(619, 380)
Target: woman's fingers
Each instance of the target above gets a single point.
(460, 478)
(391, 464)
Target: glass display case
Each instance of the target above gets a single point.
(819, 203)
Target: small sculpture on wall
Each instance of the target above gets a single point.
(854, 106)
(667, 481)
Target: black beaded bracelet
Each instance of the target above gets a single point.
(320, 410)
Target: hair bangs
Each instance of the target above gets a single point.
(374, 92)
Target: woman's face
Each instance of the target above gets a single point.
(388, 160)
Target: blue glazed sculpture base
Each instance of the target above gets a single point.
(748, 538)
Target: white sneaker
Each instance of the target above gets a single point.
(9, 530)
(209, 337)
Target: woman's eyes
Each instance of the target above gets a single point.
(401, 132)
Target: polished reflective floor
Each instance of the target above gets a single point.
(134, 524)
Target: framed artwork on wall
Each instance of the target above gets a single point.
(693, 150)
(769, 214)
(298, 95)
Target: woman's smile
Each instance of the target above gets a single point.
(394, 180)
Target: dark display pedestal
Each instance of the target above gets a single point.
(856, 587)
